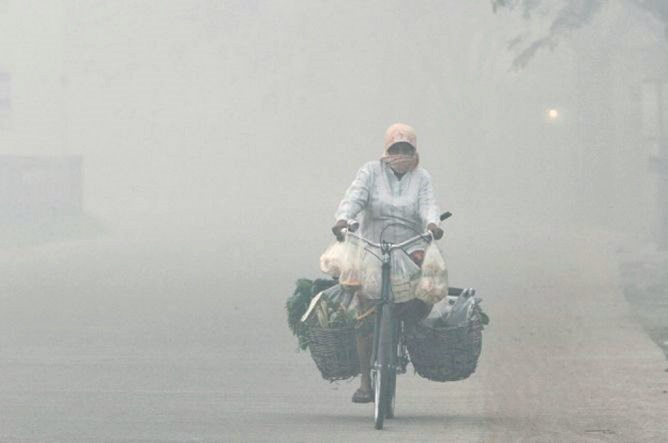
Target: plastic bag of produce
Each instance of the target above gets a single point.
(339, 295)
(404, 274)
(352, 268)
(439, 312)
(331, 260)
(371, 284)
(335, 307)
(433, 284)
(344, 305)
(462, 310)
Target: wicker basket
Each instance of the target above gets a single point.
(334, 351)
(445, 354)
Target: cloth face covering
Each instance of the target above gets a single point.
(401, 163)
(400, 133)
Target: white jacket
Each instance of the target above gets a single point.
(399, 209)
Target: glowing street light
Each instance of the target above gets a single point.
(552, 114)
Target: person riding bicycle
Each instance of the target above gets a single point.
(395, 200)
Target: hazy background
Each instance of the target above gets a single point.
(253, 116)
(217, 138)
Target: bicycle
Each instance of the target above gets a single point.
(388, 349)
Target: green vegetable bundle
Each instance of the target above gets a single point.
(297, 304)
(341, 318)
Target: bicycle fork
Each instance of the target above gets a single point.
(384, 306)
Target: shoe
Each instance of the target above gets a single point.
(361, 396)
(484, 318)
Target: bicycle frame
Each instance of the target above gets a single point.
(384, 367)
(386, 298)
(384, 357)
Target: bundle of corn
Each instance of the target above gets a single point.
(298, 303)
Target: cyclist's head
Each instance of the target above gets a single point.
(400, 133)
(401, 148)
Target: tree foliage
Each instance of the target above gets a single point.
(566, 16)
(657, 8)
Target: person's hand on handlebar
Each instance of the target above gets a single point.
(340, 226)
(435, 231)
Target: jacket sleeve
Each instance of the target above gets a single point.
(429, 210)
(357, 195)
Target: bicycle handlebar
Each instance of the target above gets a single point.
(426, 236)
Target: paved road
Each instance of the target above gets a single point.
(120, 340)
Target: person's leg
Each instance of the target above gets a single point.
(364, 349)
(412, 311)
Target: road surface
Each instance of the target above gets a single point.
(121, 340)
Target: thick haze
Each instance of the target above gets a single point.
(240, 124)
(244, 122)
(217, 139)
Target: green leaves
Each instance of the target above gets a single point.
(299, 301)
(296, 305)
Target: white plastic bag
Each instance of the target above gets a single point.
(439, 312)
(462, 310)
(331, 260)
(433, 284)
(332, 308)
(352, 269)
(403, 275)
(372, 282)
(339, 295)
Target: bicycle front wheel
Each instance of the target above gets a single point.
(391, 393)
(384, 369)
